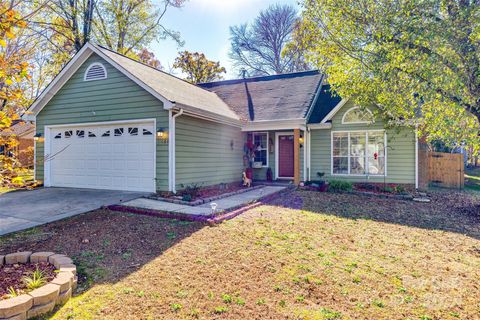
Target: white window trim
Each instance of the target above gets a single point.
(366, 153)
(357, 122)
(277, 136)
(253, 133)
(93, 65)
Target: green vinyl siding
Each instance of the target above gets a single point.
(400, 151)
(204, 152)
(113, 99)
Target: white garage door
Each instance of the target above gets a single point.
(111, 156)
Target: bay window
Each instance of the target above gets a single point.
(358, 153)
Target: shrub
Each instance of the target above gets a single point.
(190, 191)
(339, 185)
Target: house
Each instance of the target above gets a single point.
(23, 132)
(110, 122)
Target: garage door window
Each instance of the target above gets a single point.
(133, 131)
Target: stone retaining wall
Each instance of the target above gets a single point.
(43, 299)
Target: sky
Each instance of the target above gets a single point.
(204, 26)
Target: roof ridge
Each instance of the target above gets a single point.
(155, 69)
(261, 78)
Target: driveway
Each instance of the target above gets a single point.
(24, 209)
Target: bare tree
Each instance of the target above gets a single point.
(259, 48)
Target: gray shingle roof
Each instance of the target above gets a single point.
(171, 87)
(276, 97)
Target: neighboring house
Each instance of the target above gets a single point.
(110, 122)
(23, 132)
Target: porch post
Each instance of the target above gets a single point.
(296, 156)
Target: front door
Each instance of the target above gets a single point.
(285, 156)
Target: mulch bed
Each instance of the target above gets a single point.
(12, 275)
(207, 192)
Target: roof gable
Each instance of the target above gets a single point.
(325, 103)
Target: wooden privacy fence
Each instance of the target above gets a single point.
(441, 169)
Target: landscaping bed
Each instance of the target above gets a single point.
(195, 196)
(15, 278)
(305, 255)
(32, 284)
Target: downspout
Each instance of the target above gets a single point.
(416, 157)
(171, 148)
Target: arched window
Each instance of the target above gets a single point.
(357, 115)
(95, 71)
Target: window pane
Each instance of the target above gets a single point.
(340, 165)
(261, 156)
(357, 165)
(357, 144)
(376, 144)
(260, 140)
(357, 115)
(340, 144)
(376, 166)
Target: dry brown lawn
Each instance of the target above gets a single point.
(341, 257)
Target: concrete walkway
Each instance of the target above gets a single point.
(227, 203)
(24, 209)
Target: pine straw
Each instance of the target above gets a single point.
(346, 262)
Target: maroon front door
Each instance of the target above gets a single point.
(285, 156)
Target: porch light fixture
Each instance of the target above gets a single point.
(38, 137)
(162, 134)
(301, 141)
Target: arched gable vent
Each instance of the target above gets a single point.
(95, 71)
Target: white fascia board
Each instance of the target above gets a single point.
(266, 125)
(330, 115)
(314, 126)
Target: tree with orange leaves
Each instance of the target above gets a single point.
(13, 70)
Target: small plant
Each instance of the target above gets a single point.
(260, 302)
(220, 310)
(378, 303)
(300, 298)
(339, 185)
(240, 301)
(356, 280)
(12, 293)
(330, 314)
(282, 303)
(128, 290)
(227, 298)
(35, 280)
(176, 307)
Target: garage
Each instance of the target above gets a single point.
(113, 156)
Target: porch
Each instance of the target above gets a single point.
(276, 155)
